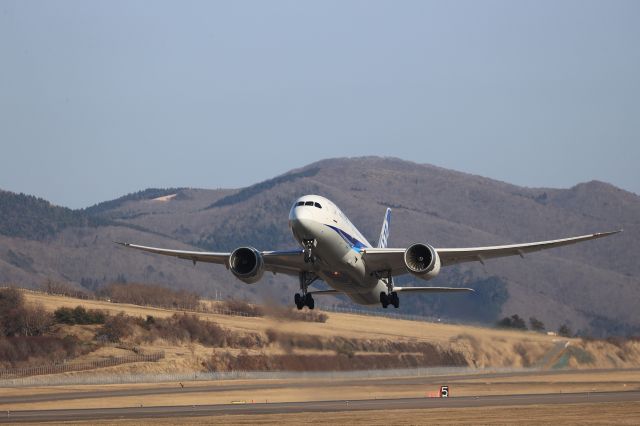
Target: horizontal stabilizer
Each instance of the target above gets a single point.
(324, 292)
(434, 289)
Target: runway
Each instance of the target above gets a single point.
(314, 406)
(228, 386)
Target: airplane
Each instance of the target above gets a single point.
(334, 251)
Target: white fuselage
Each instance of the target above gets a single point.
(337, 249)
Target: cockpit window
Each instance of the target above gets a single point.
(318, 205)
(300, 203)
(308, 203)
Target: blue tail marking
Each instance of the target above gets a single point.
(384, 232)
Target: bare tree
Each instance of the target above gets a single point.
(35, 320)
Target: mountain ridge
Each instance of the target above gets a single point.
(431, 204)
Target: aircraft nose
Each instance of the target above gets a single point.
(301, 213)
(301, 219)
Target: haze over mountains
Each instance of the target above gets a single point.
(593, 286)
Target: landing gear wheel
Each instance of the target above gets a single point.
(384, 299)
(299, 301)
(394, 299)
(310, 302)
(304, 298)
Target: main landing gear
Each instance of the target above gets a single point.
(305, 299)
(390, 297)
(302, 301)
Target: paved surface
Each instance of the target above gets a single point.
(314, 406)
(227, 386)
(294, 407)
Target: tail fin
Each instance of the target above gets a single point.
(384, 232)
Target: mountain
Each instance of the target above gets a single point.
(594, 287)
(33, 218)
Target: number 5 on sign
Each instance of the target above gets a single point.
(444, 391)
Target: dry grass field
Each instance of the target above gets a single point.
(480, 347)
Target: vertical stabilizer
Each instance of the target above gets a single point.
(384, 232)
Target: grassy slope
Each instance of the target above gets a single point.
(482, 347)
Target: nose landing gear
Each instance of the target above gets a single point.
(308, 250)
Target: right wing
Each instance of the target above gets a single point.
(392, 259)
(289, 262)
(450, 256)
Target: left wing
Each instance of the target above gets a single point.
(392, 259)
(285, 262)
(194, 256)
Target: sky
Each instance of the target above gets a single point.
(99, 99)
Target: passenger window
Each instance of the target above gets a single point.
(318, 205)
(308, 203)
(300, 203)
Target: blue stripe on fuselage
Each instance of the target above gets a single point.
(355, 244)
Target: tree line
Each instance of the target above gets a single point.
(515, 321)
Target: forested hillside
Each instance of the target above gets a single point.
(26, 216)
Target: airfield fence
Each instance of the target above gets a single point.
(336, 309)
(223, 311)
(13, 373)
(108, 379)
(386, 314)
(326, 308)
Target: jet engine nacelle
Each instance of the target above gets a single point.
(246, 264)
(422, 260)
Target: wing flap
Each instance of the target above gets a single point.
(384, 259)
(286, 262)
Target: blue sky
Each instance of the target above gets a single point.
(98, 99)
